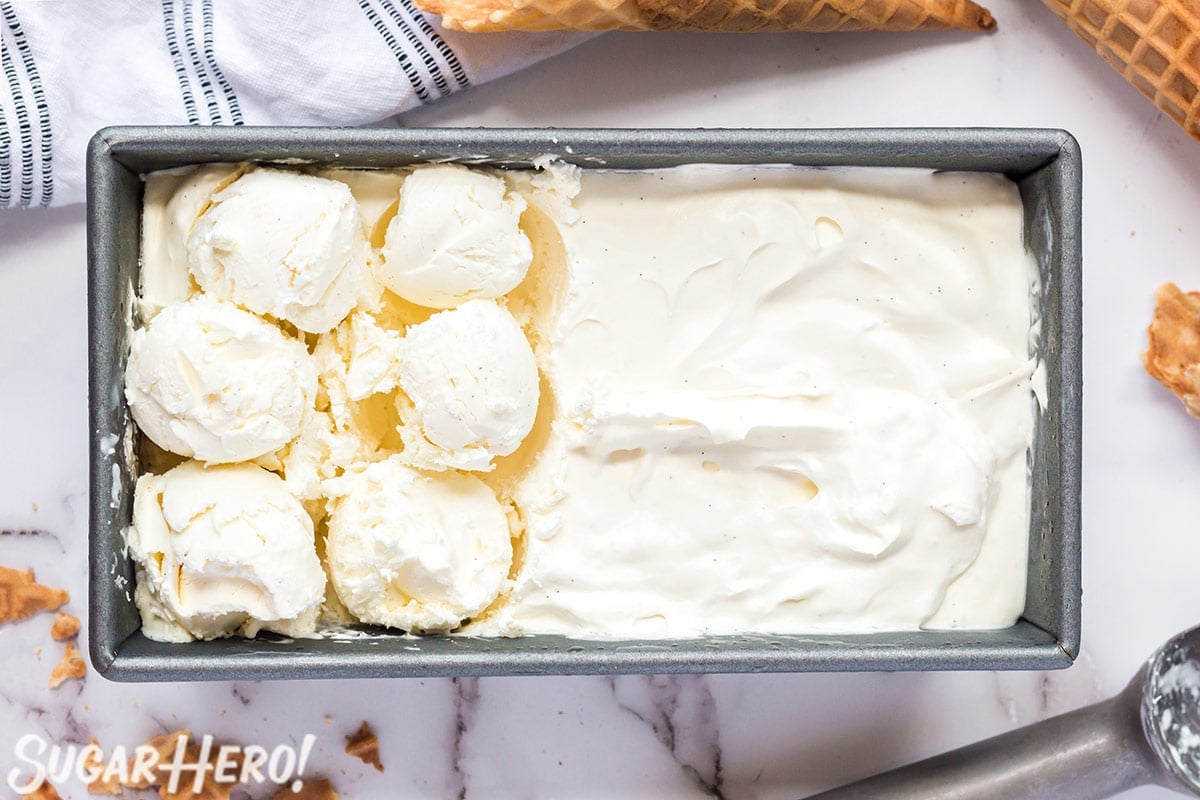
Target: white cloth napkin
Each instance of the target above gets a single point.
(69, 68)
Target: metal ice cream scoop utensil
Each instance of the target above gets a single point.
(1150, 733)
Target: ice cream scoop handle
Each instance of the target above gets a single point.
(1087, 754)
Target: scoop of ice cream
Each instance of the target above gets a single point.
(470, 385)
(416, 551)
(208, 380)
(173, 201)
(283, 244)
(454, 238)
(220, 551)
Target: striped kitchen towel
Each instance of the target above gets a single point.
(73, 66)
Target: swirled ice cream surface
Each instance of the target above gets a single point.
(785, 400)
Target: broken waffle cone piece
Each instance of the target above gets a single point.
(164, 746)
(1154, 44)
(94, 762)
(66, 626)
(1173, 357)
(22, 596)
(741, 16)
(215, 785)
(44, 791)
(71, 666)
(363, 744)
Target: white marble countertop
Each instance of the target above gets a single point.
(751, 736)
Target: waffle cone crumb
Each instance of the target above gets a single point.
(210, 789)
(66, 626)
(22, 596)
(44, 791)
(1173, 357)
(95, 761)
(71, 666)
(363, 744)
(164, 746)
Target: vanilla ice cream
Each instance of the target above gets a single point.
(416, 551)
(373, 356)
(173, 201)
(322, 450)
(284, 244)
(455, 237)
(377, 192)
(700, 401)
(358, 371)
(206, 379)
(470, 385)
(788, 401)
(220, 551)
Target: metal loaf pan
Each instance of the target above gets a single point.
(1044, 163)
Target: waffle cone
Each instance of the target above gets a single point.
(710, 15)
(1173, 357)
(1154, 44)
